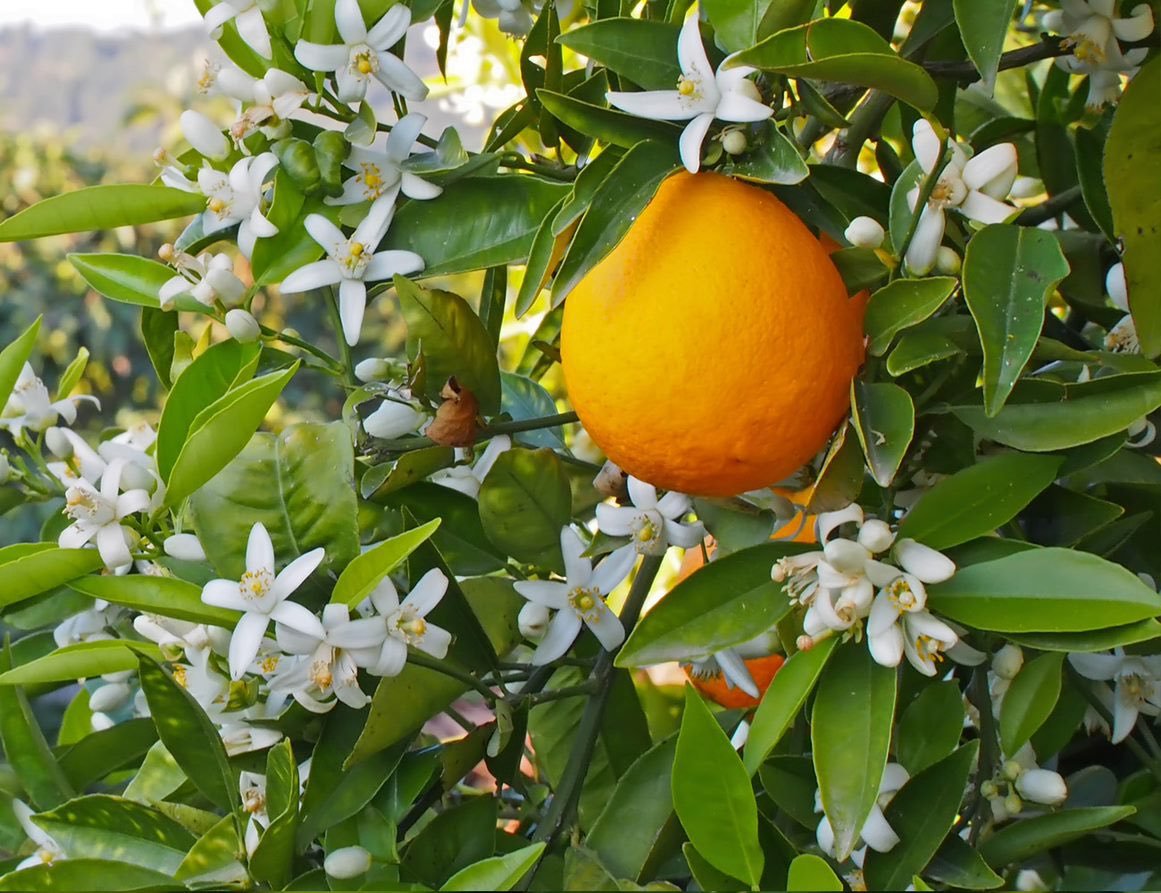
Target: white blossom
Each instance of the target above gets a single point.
(242, 326)
(876, 833)
(468, 478)
(204, 135)
(652, 524)
(208, 278)
(239, 198)
(403, 624)
(247, 16)
(1093, 31)
(865, 232)
(347, 862)
(97, 515)
(378, 168)
(1137, 685)
(47, 849)
(396, 416)
(30, 406)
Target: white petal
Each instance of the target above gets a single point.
(894, 777)
(204, 135)
(293, 641)
(615, 520)
(644, 495)
(824, 834)
(372, 228)
(316, 275)
(418, 188)
(296, 616)
(606, 626)
(1124, 719)
(994, 163)
(734, 669)
(387, 264)
(673, 505)
(252, 29)
(349, 20)
(388, 30)
(887, 648)
(394, 74)
(1118, 287)
(544, 592)
(295, 573)
(352, 306)
(1096, 666)
(924, 562)
(224, 594)
(691, 52)
(216, 17)
(392, 658)
(926, 145)
(1138, 27)
(737, 106)
(577, 568)
(612, 572)
(1043, 786)
(75, 536)
(436, 641)
(428, 592)
(691, 139)
(926, 240)
(687, 536)
(360, 633)
(321, 57)
(828, 522)
(660, 105)
(562, 632)
(259, 550)
(985, 209)
(877, 834)
(352, 86)
(112, 546)
(246, 641)
(184, 546)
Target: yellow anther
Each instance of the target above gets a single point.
(685, 86)
(357, 249)
(416, 627)
(216, 205)
(179, 675)
(364, 65)
(165, 252)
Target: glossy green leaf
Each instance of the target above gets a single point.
(618, 201)
(1090, 157)
(220, 432)
(25, 747)
(884, 419)
(1071, 415)
(712, 795)
(128, 278)
(188, 734)
(460, 537)
(930, 727)
(783, 700)
(89, 876)
(643, 51)
(215, 853)
(1008, 273)
(724, 603)
(809, 872)
(100, 207)
(99, 754)
(921, 813)
(299, 484)
(80, 661)
(983, 24)
(497, 872)
(29, 569)
(1096, 640)
(706, 876)
(14, 356)
(976, 500)
(158, 331)
(524, 502)
(410, 468)
(101, 826)
(453, 840)
(918, 349)
(737, 23)
(167, 596)
(1030, 700)
(840, 480)
(1019, 840)
(364, 572)
(784, 14)
(901, 304)
(272, 860)
(850, 733)
(774, 159)
(522, 398)
(1044, 590)
(542, 258)
(960, 865)
(1132, 156)
(605, 124)
(482, 222)
(454, 343)
(860, 268)
(845, 51)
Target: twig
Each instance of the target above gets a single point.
(966, 72)
(1050, 208)
(513, 427)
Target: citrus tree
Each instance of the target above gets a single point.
(859, 302)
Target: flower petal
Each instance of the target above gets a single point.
(644, 495)
(324, 231)
(112, 546)
(436, 641)
(418, 188)
(996, 165)
(926, 145)
(246, 641)
(1096, 666)
(392, 658)
(577, 568)
(691, 52)
(926, 240)
(616, 520)
(887, 648)
(386, 32)
(562, 632)
(734, 669)
(1137, 27)
(352, 86)
(315, 275)
(352, 306)
(687, 536)
(924, 562)
(544, 592)
(295, 573)
(224, 594)
(612, 572)
(673, 505)
(877, 834)
(394, 74)
(294, 641)
(691, 139)
(259, 550)
(321, 57)
(660, 105)
(252, 29)
(349, 21)
(427, 593)
(386, 264)
(984, 209)
(737, 106)
(298, 617)
(606, 626)
(362, 632)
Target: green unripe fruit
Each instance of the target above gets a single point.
(331, 150)
(297, 159)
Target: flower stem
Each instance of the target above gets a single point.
(302, 345)
(512, 427)
(979, 695)
(419, 659)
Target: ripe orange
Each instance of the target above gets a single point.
(712, 351)
(762, 669)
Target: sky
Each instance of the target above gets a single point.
(102, 15)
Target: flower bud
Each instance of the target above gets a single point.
(204, 135)
(242, 326)
(5, 468)
(1006, 662)
(924, 562)
(1011, 770)
(347, 862)
(1117, 287)
(185, 547)
(533, 621)
(58, 444)
(101, 721)
(989, 789)
(1042, 786)
(393, 419)
(947, 261)
(734, 142)
(110, 697)
(875, 536)
(865, 232)
(611, 480)
(374, 369)
(167, 252)
(1013, 804)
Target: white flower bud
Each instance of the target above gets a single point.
(118, 676)
(184, 546)
(347, 862)
(1029, 881)
(393, 419)
(374, 369)
(924, 562)
(865, 232)
(5, 468)
(1006, 662)
(734, 142)
(204, 135)
(947, 261)
(242, 326)
(1042, 786)
(876, 535)
(229, 289)
(101, 721)
(533, 621)
(58, 444)
(110, 697)
(1117, 287)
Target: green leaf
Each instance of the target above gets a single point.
(460, 538)
(1030, 700)
(272, 860)
(712, 795)
(410, 468)
(25, 747)
(775, 159)
(299, 484)
(903, 303)
(497, 872)
(524, 502)
(724, 603)
(105, 827)
(918, 349)
(73, 373)
(983, 24)
(476, 223)
(522, 398)
(845, 51)
(930, 727)
(1097, 640)
(14, 356)
(221, 431)
(737, 23)
(167, 596)
(643, 51)
(29, 569)
(542, 257)
(99, 754)
(1008, 273)
(188, 734)
(1044, 590)
(1020, 840)
(89, 876)
(1070, 415)
(884, 419)
(454, 343)
(1132, 155)
(83, 660)
(364, 572)
(128, 278)
(100, 207)
(809, 872)
(850, 733)
(454, 839)
(921, 813)
(401, 705)
(783, 701)
(215, 851)
(958, 864)
(607, 125)
(976, 500)
(1090, 158)
(158, 331)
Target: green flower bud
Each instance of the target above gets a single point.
(297, 159)
(331, 150)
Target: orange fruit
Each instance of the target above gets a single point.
(712, 351)
(762, 669)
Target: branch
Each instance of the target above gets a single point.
(966, 72)
(1049, 208)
